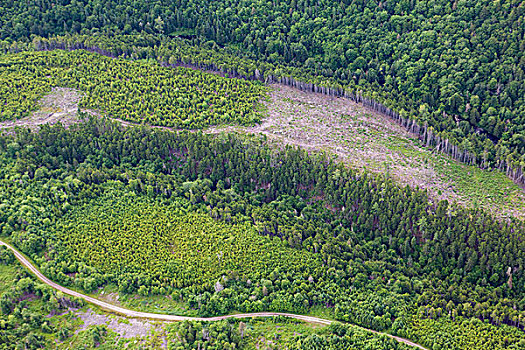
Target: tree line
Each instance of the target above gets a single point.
(132, 91)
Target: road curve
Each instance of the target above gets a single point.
(173, 318)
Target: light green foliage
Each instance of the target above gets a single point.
(373, 253)
(359, 246)
(215, 335)
(24, 305)
(472, 334)
(275, 333)
(340, 336)
(139, 92)
(134, 234)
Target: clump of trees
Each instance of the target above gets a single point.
(21, 323)
(214, 335)
(450, 71)
(232, 334)
(446, 334)
(340, 336)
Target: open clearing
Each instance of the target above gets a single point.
(364, 139)
(60, 105)
(125, 328)
(359, 137)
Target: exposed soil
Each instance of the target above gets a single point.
(140, 326)
(126, 328)
(60, 105)
(112, 298)
(363, 139)
(359, 137)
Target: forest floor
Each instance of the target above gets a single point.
(359, 137)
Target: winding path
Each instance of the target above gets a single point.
(164, 317)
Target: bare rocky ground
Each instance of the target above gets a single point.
(367, 140)
(361, 138)
(126, 328)
(60, 105)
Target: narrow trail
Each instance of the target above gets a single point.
(174, 318)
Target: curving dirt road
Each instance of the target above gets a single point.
(163, 317)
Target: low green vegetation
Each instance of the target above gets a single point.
(138, 92)
(27, 308)
(276, 333)
(489, 189)
(473, 119)
(454, 66)
(33, 316)
(125, 233)
(462, 333)
(201, 225)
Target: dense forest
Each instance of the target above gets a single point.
(362, 233)
(233, 223)
(195, 335)
(33, 316)
(450, 71)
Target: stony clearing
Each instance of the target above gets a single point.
(126, 328)
(60, 105)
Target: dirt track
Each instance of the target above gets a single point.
(173, 318)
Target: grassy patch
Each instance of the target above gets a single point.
(7, 274)
(120, 234)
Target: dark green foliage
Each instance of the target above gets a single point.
(456, 67)
(446, 334)
(389, 259)
(196, 335)
(241, 335)
(6, 256)
(339, 336)
(22, 324)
